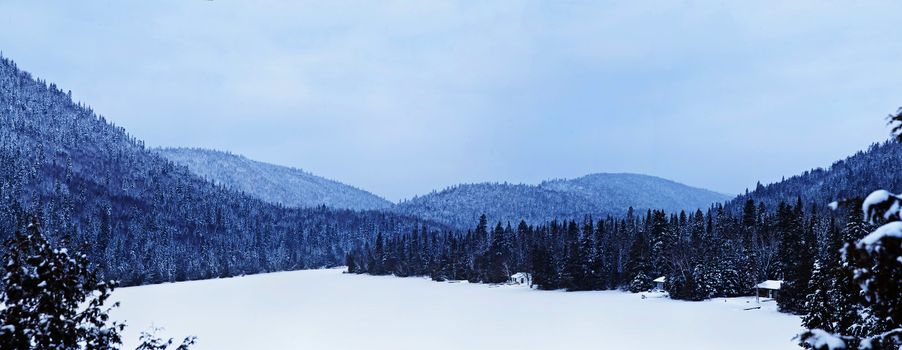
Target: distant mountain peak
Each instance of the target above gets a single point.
(597, 194)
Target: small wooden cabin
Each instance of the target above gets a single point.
(659, 283)
(520, 278)
(768, 289)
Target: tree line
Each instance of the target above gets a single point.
(841, 269)
(702, 254)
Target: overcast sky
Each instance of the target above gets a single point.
(403, 97)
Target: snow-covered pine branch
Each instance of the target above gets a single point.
(877, 263)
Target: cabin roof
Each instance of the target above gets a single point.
(770, 284)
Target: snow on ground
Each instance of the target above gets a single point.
(325, 309)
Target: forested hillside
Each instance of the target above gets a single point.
(703, 253)
(148, 220)
(273, 183)
(596, 194)
(839, 268)
(854, 177)
(777, 231)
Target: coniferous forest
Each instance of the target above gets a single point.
(141, 219)
(839, 267)
(450, 174)
(702, 254)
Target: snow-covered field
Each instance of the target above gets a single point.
(325, 309)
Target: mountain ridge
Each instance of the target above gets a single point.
(596, 193)
(851, 177)
(150, 221)
(141, 218)
(289, 186)
(592, 194)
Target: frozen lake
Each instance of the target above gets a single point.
(325, 309)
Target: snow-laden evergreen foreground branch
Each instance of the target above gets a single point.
(876, 263)
(53, 299)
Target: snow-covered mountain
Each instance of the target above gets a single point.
(853, 177)
(273, 183)
(596, 194)
(149, 220)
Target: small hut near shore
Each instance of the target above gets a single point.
(769, 289)
(521, 278)
(659, 283)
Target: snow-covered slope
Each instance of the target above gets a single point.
(325, 309)
(273, 183)
(852, 177)
(460, 206)
(596, 194)
(148, 220)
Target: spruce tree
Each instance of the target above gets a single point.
(847, 296)
(602, 264)
(349, 262)
(896, 121)
(875, 263)
(585, 258)
(637, 268)
(749, 216)
(377, 258)
(795, 270)
(53, 299)
(542, 271)
(820, 310)
(497, 257)
(662, 243)
(43, 292)
(641, 283)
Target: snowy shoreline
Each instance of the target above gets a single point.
(326, 309)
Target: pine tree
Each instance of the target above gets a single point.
(602, 259)
(874, 263)
(831, 305)
(524, 237)
(641, 283)
(349, 262)
(820, 314)
(749, 216)
(795, 270)
(847, 294)
(896, 121)
(43, 293)
(878, 271)
(583, 258)
(497, 257)
(662, 243)
(571, 266)
(53, 299)
(482, 228)
(377, 260)
(542, 271)
(637, 267)
(875, 268)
